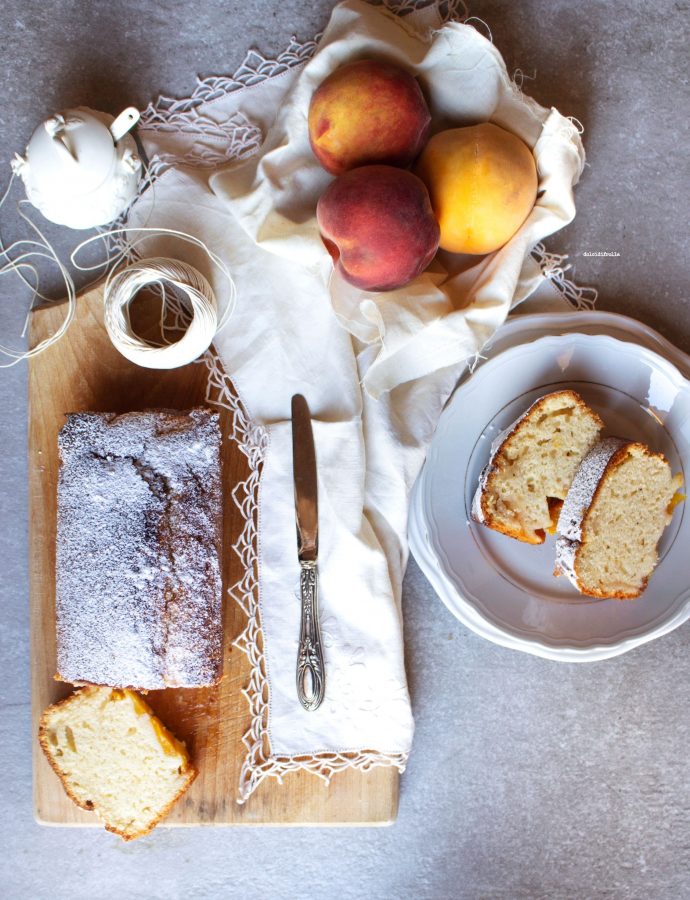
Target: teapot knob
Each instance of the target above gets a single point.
(55, 125)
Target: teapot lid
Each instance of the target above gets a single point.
(71, 153)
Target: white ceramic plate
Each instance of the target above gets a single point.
(505, 590)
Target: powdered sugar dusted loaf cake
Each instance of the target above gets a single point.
(532, 464)
(619, 504)
(138, 601)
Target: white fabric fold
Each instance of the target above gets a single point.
(376, 368)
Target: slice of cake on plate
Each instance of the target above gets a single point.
(621, 500)
(115, 757)
(532, 464)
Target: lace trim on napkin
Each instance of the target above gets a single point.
(252, 439)
(254, 69)
(236, 137)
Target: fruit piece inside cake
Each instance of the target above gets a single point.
(532, 465)
(621, 500)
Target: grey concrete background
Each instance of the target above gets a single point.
(528, 779)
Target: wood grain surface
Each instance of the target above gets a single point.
(82, 372)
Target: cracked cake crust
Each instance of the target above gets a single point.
(138, 599)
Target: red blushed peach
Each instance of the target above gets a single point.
(378, 225)
(367, 112)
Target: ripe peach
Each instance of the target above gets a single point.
(378, 225)
(482, 181)
(367, 112)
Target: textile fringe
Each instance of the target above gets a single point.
(236, 137)
(554, 268)
(254, 69)
(252, 439)
(447, 10)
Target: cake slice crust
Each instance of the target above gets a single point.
(532, 465)
(115, 757)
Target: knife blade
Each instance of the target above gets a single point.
(310, 675)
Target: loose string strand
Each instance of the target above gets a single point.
(21, 264)
(146, 233)
(186, 280)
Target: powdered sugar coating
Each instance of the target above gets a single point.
(577, 502)
(476, 511)
(565, 559)
(139, 531)
(584, 485)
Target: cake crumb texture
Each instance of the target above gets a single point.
(532, 465)
(115, 757)
(621, 500)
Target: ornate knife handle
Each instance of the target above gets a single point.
(311, 675)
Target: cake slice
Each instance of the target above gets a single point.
(115, 757)
(532, 464)
(621, 500)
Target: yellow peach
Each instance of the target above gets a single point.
(482, 181)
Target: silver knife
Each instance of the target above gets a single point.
(311, 675)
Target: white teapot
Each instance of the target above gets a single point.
(81, 168)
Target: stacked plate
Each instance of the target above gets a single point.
(503, 590)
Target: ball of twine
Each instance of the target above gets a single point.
(123, 286)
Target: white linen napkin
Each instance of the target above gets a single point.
(376, 387)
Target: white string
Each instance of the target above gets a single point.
(146, 233)
(23, 265)
(121, 288)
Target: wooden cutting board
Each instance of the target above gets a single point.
(82, 372)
